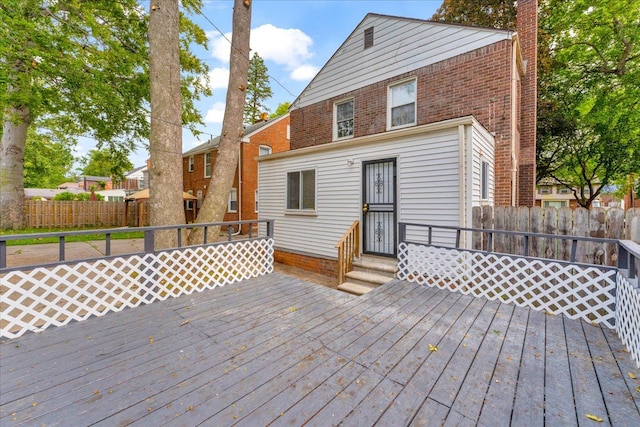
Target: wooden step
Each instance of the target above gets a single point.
(355, 288)
(377, 265)
(365, 278)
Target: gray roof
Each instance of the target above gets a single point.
(49, 193)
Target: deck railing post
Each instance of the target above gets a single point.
(61, 248)
(3, 254)
(270, 228)
(107, 244)
(179, 237)
(402, 232)
(148, 241)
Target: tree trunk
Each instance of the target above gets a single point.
(214, 205)
(165, 140)
(14, 139)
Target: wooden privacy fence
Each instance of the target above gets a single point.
(69, 214)
(610, 223)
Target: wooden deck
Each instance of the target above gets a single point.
(277, 350)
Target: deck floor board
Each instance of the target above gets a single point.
(275, 350)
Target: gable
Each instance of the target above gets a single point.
(399, 45)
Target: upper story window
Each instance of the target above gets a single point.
(191, 164)
(207, 165)
(343, 119)
(264, 150)
(402, 104)
(301, 190)
(544, 189)
(233, 200)
(368, 37)
(564, 190)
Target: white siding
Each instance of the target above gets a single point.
(483, 150)
(400, 45)
(428, 179)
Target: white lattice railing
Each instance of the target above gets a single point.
(577, 291)
(628, 315)
(41, 297)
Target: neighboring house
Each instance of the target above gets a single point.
(134, 181)
(550, 194)
(70, 185)
(263, 138)
(49, 193)
(411, 121)
(96, 183)
(114, 195)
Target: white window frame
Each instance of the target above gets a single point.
(191, 164)
(563, 190)
(335, 119)
(390, 106)
(256, 200)
(484, 180)
(207, 163)
(233, 198)
(301, 199)
(264, 147)
(544, 190)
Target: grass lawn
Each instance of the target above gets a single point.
(128, 234)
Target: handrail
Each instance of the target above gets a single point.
(348, 248)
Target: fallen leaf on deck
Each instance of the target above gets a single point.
(594, 418)
(292, 309)
(497, 332)
(184, 323)
(150, 340)
(632, 376)
(96, 391)
(433, 347)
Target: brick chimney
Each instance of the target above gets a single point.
(527, 27)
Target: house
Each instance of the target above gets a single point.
(408, 121)
(96, 183)
(135, 180)
(265, 137)
(551, 194)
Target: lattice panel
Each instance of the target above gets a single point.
(628, 315)
(578, 292)
(36, 299)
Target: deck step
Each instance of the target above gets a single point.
(377, 265)
(355, 288)
(365, 278)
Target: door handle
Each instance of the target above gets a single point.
(365, 207)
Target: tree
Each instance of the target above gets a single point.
(106, 163)
(281, 110)
(258, 90)
(46, 163)
(77, 68)
(486, 13)
(214, 205)
(593, 92)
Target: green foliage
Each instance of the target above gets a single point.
(46, 163)
(106, 163)
(281, 110)
(258, 90)
(82, 197)
(592, 134)
(486, 13)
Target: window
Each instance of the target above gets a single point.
(207, 165)
(555, 204)
(484, 181)
(191, 164)
(233, 200)
(343, 119)
(189, 203)
(563, 190)
(402, 104)
(256, 200)
(265, 150)
(301, 190)
(544, 189)
(368, 37)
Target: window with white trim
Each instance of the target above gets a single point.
(402, 104)
(189, 203)
(564, 190)
(256, 200)
(343, 119)
(544, 189)
(207, 165)
(191, 164)
(301, 190)
(264, 150)
(233, 200)
(484, 181)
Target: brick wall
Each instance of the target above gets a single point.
(324, 266)
(528, 35)
(476, 83)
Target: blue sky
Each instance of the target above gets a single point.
(294, 37)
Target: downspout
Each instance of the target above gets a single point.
(515, 133)
(462, 185)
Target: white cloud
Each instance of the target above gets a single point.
(287, 47)
(218, 78)
(304, 72)
(215, 113)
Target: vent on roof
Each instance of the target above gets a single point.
(368, 37)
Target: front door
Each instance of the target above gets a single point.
(379, 207)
